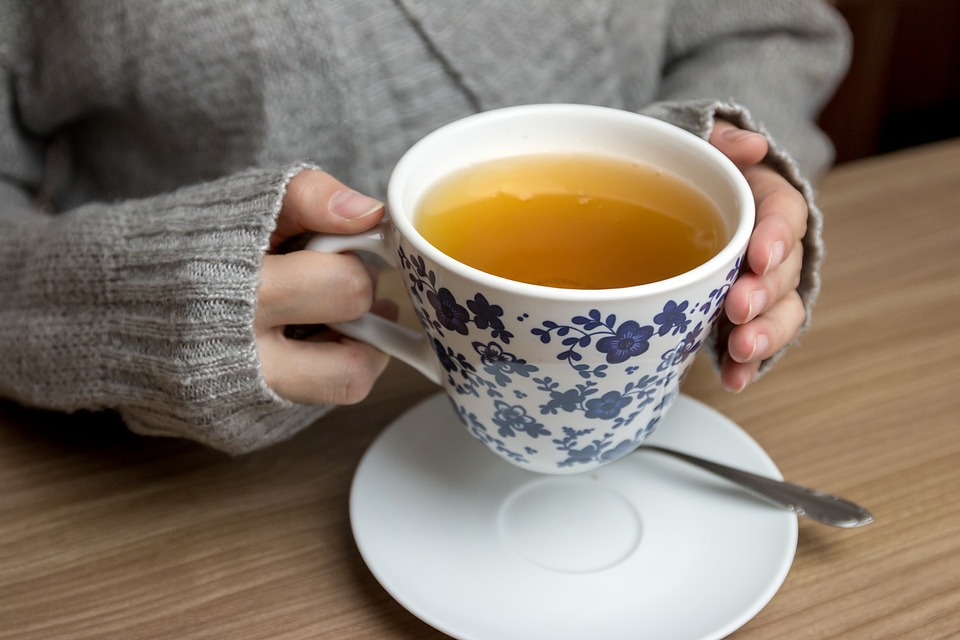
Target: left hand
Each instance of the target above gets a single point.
(763, 305)
(311, 288)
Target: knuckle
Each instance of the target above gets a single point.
(355, 286)
(793, 203)
(795, 279)
(792, 272)
(796, 304)
(299, 191)
(788, 207)
(309, 191)
(793, 309)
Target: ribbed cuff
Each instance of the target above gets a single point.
(146, 307)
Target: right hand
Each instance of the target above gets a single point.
(763, 306)
(310, 288)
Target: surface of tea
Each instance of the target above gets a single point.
(574, 221)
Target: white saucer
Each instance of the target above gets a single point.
(646, 547)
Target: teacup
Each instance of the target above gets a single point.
(551, 379)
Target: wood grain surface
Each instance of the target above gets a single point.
(104, 534)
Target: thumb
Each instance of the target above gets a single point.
(745, 148)
(315, 201)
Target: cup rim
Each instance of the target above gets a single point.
(735, 245)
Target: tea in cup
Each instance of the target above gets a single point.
(571, 221)
(566, 263)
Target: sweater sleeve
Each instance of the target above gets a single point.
(146, 307)
(140, 306)
(773, 64)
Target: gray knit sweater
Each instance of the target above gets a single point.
(145, 147)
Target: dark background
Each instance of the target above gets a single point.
(903, 87)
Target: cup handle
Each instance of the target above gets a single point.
(412, 347)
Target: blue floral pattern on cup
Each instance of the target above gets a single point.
(567, 401)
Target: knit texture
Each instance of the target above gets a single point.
(145, 148)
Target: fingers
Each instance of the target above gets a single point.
(763, 304)
(749, 344)
(768, 313)
(308, 287)
(311, 288)
(332, 369)
(781, 219)
(754, 294)
(768, 333)
(781, 209)
(340, 373)
(315, 201)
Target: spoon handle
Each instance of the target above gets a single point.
(822, 507)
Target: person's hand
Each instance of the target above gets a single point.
(763, 305)
(310, 288)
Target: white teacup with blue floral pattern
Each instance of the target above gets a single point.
(552, 380)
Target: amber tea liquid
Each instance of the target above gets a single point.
(572, 221)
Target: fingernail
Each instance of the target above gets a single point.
(775, 257)
(760, 344)
(739, 381)
(741, 384)
(352, 205)
(735, 134)
(758, 300)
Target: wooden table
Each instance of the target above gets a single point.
(108, 535)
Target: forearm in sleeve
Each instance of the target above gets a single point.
(146, 307)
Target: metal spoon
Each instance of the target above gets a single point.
(822, 507)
